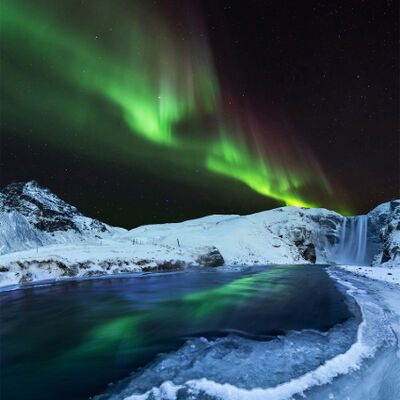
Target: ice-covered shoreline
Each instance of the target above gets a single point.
(345, 376)
(378, 272)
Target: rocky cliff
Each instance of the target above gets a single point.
(32, 216)
(385, 233)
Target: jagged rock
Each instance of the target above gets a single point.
(32, 216)
(46, 211)
(386, 220)
(211, 259)
(171, 265)
(306, 250)
(309, 253)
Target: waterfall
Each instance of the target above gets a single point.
(353, 240)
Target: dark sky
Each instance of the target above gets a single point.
(326, 71)
(333, 68)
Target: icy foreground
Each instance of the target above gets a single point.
(44, 238)
(353, 360)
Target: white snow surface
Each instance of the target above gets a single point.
(32, 217)
(266, 237)
(17, 233)
(42, 237)
(380, 273)
(263, 238)
(56, 262)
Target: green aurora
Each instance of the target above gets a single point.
(110, 70)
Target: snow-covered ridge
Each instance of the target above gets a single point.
(32, 216)
(42, 237)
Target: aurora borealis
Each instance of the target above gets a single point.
(136, 86)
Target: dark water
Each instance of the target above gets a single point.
(69, 340)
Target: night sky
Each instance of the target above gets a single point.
(154, 111)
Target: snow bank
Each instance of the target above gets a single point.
(386, 274)
(57, 262)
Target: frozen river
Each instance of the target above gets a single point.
(271, 332)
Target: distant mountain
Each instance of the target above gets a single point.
(42, 237)
(32, 216)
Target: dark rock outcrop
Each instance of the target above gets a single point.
(306, 250)
(211, 259)
(384, 231)
(44, 210)
(32, 216)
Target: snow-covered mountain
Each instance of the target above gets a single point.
(32, 216)
(42, 237)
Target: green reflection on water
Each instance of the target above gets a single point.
(238, 293)
(194, 312)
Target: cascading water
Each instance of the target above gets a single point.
(353, 241)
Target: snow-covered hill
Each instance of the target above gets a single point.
(42, 237)
(280, 236)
